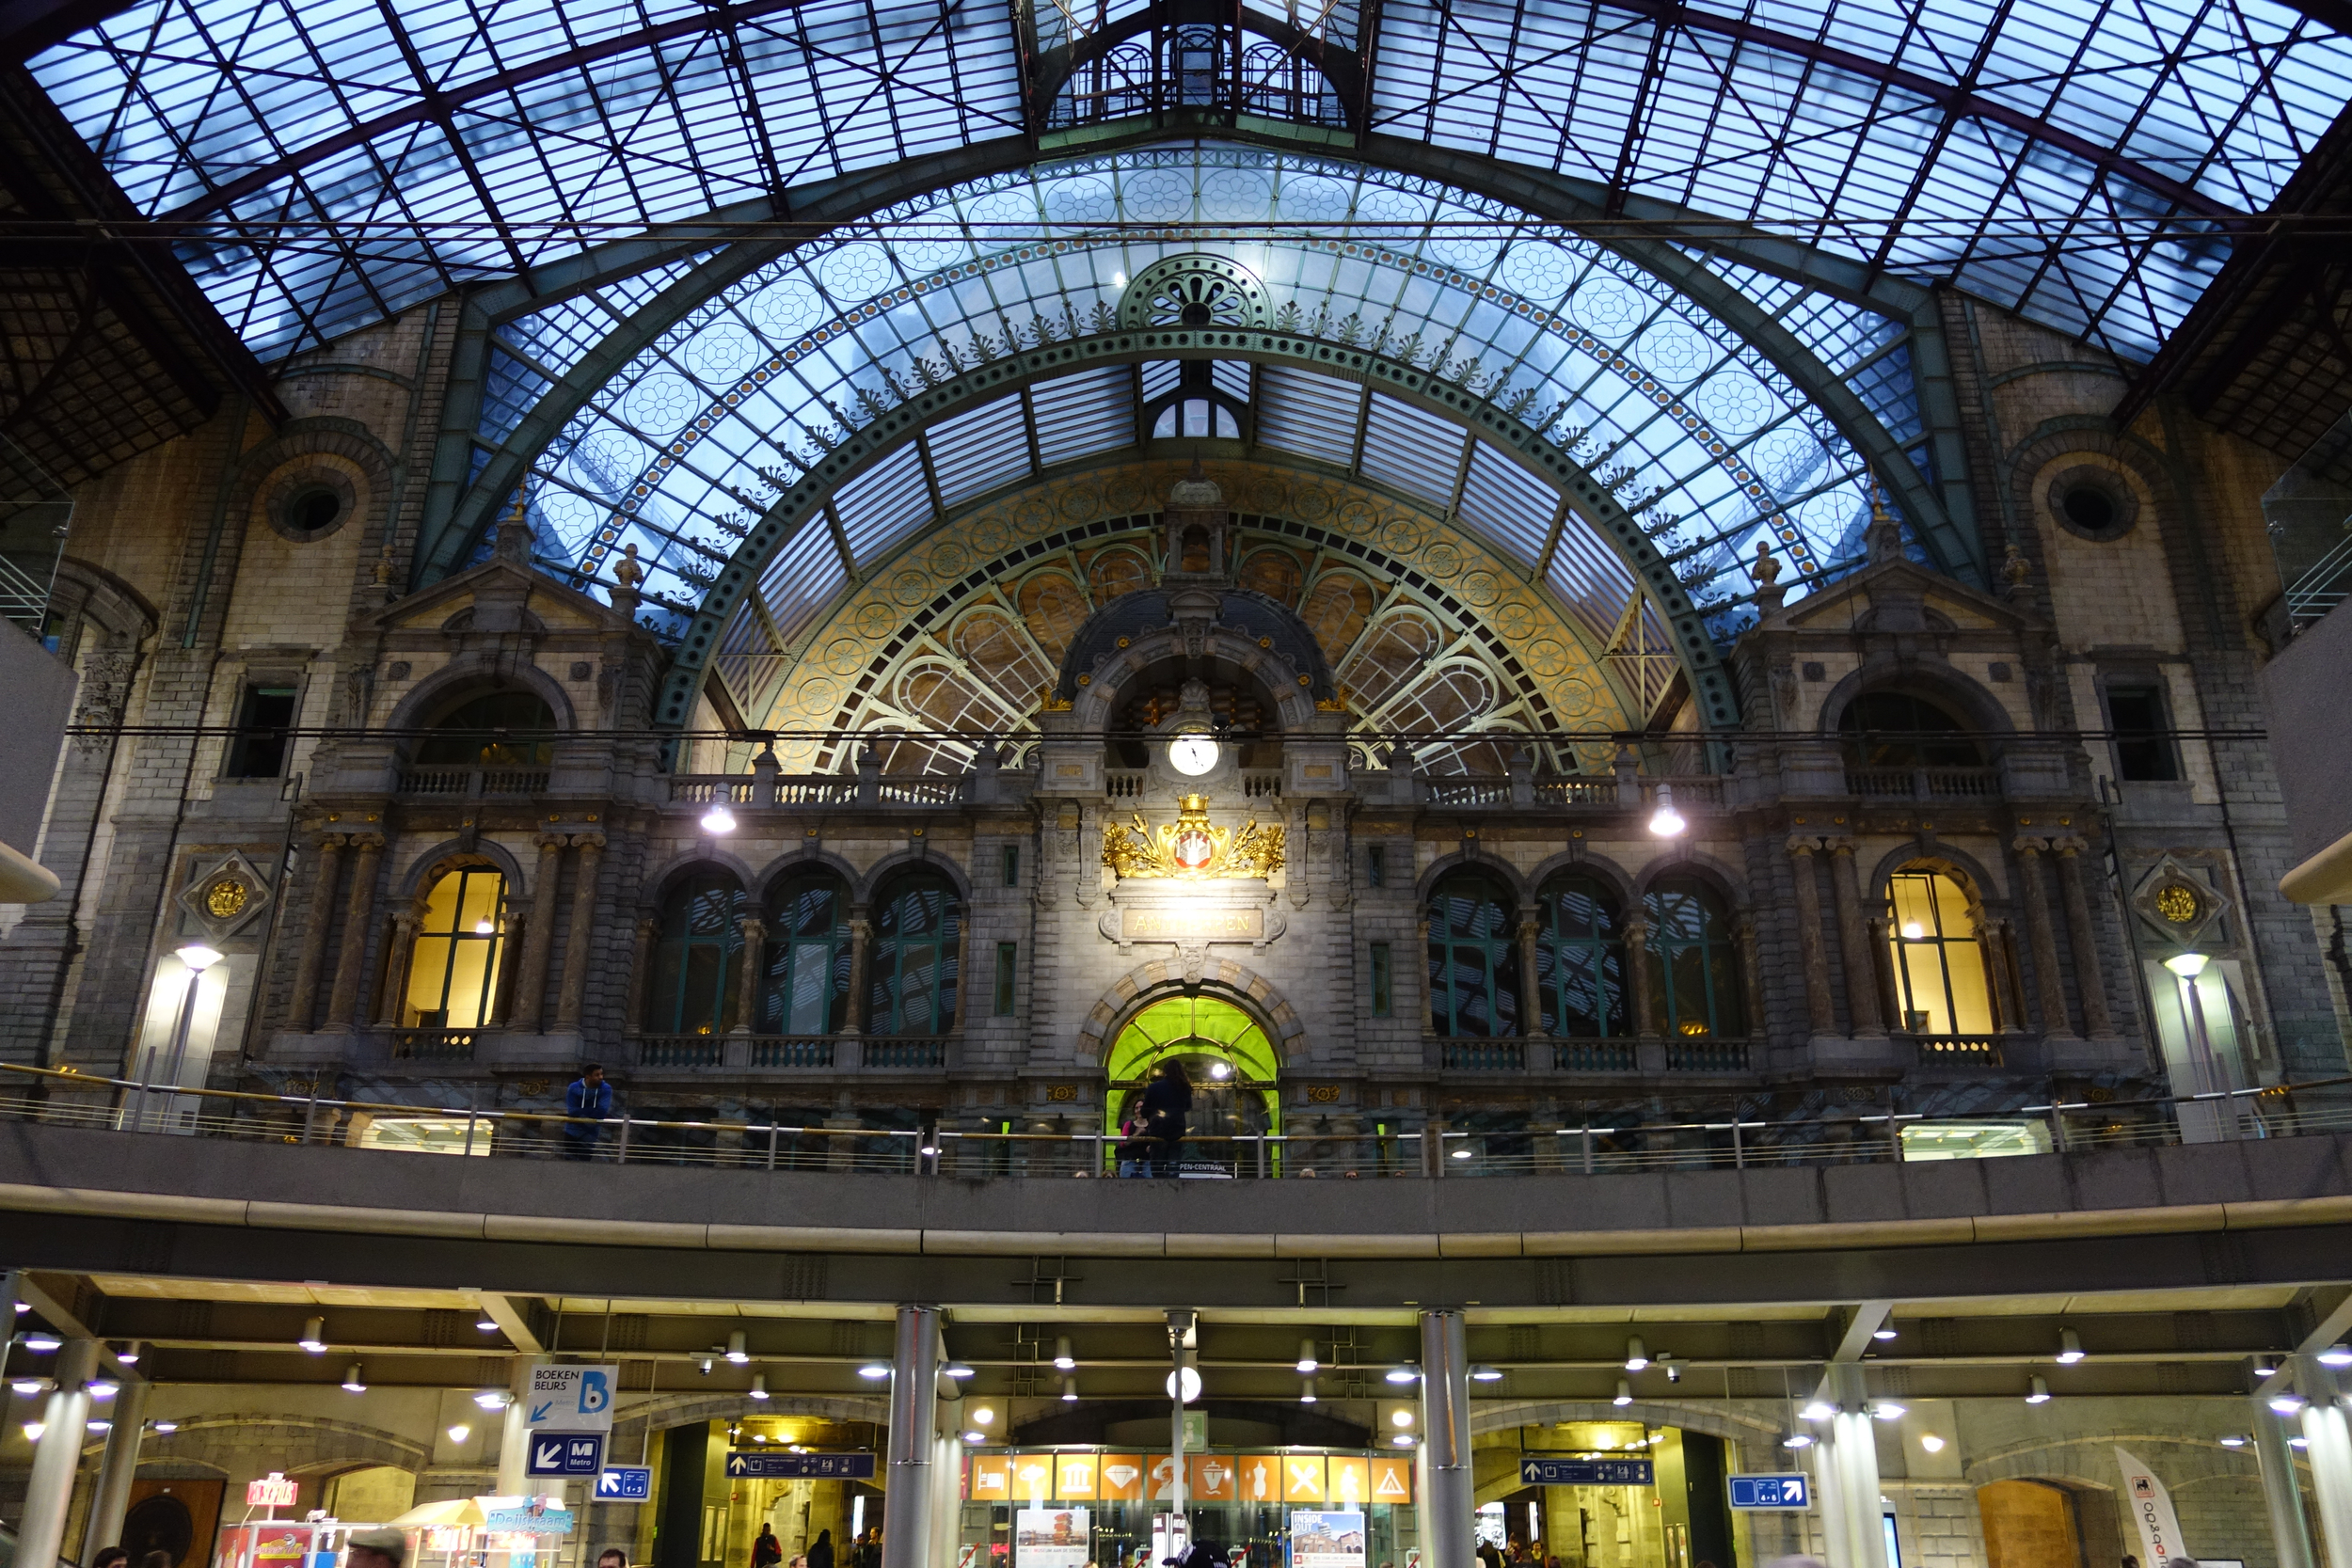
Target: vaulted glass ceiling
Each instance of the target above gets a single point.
(1714, 444)
(335, 161)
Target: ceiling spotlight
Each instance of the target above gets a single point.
(1399, 1417)
(1882, 1334)
(1480, 1372)
(957, 1370)
(703, 1366)
(1220, 1070)
(1402, 1440)
(983, 1416)
(976, 1436)
(2070, 1347)
(1797, 1440)
(40, 1342)
(167, 1426)
(875, 1370)
(33, 1430)
(314, 1337)
(1887, 1410)
(103, 1387)
(488, 1325)
(1625, 1394)
(1306, 1391)
(1306, 1362)
(1070, 1390)
(1190, 1383)
(2336, 1355)
(1817, 1411)
(457, 1434)
(718, 819)
(2298, 1442)
(22, 1308)
(1636, 1355)
(1930, 1442)
(2288, 1403)
(29, 1388)
(2235, 1440)
(2266, 1366)
(736, 1353)
(129, 1354)
(352, 1384)
(1063, 1360)
(1666, 821)
(1406, 1373)
(99, 1426)
(493, 1399)
(760, 1386)
(2040, 1392)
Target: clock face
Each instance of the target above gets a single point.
(1192, 754)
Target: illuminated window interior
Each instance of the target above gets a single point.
(454, 970)
(1939, 963)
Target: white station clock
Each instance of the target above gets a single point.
(1192, 754)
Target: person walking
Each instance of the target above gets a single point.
(589, 1096)
(1167, 1100)
(766, 1549)
(820, 1550)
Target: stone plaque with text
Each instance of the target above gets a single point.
(1184, 925)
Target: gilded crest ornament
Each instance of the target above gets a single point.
(1191, 849)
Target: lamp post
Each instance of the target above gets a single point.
(198, 958)
(2203, 1067)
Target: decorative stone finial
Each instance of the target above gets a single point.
(1196, 489)
(626, 575)
(2015, 569)
(514, 534)
(1769, 596)
(1883, 543)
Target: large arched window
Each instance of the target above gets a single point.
(917, 925)
(453, 968)
(1940, 986)
(1579, 961)
(501, 729)
(697, 967)
(807, 991)
(1473, 959)
(1895, 729)
(1693, 970)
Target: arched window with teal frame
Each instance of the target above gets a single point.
(1473, 959)
(806, 988)
(1579, 961)
(1694, 967)
(697, 963)
(918, 924)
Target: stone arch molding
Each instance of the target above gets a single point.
(1099, 689)
(1530, 443)
(1227, 978)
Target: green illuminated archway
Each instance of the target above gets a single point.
(1195, 1030)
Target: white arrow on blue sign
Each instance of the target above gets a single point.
(1587, 1472)
(624, 1483)
(564, 1453)
(1770, 1491)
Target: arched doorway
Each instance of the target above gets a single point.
(1231, 1060)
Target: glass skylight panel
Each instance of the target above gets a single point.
(1417, 452)
(1080, 415)
(884, 504)
(1313, 415)
(1508, 504)
(803, 578)
(979, 450)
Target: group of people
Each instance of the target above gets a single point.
(864, 1552)
(1151, 1137)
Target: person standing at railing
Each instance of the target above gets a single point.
(1167, 1100)
(589, 1096)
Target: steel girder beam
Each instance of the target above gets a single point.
(1343, 69)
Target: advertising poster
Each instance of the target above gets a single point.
(1050, 1538)
(1122, 1478)
(1327, 1540)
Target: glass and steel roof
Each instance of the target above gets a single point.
(2079, 160)
(1714, 446)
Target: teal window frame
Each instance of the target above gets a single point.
(698, 958)
(1474, 981)
(808, 938)
(1580, 950)
(1694, 966)
(918, 929)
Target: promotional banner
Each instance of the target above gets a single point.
(1050, 1538)
(2152, 1510)
(1327, 1540)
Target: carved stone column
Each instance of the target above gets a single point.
(1854, 942)
(1820, 1016)
(321, 915)
(2097, 1022)
(1531, 989)
(2049, 991)
(342, 1002)
(1877, 932)
(567, 1002)
(1751, 970)
(861, 954)
(530, 974)
(1637, 960)
(747, 978)
(402, 939)
(2000, 964)
(640, 965)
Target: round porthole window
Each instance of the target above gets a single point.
(308, 500)
(314, 509)
(2093, 501)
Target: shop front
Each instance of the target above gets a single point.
(1069, 1507)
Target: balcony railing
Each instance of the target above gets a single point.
(473, 782)
(1576, 792)
(820, 789)
(1564, 1055)
(790, 1053)
(1925, 783)
(434, 1045)
(1957, 1050)
(1257, 782)
(1706, 1053)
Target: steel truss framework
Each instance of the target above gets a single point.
(2083, 161)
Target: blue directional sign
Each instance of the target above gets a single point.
(1765, 1492)
(564, 1453)
(1587, 1472)
(624, 1483)
(757, 1466)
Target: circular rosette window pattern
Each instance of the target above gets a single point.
(1194, 291)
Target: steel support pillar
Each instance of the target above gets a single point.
(112, 1499)
(49, 1491)
(2283, 1498)
(2329, 1451)
(1449, 1483)
(914, 1429)
(515, 1436)
(1182, 1327)
(1856, 1538)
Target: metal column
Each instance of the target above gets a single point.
(515, 1436)
(2281, 1496)
(913, 1428)
(2330, 1454)
(1449, 1518)
(112, 1499)
(1182, 1327)
(49, 1491)
(1855, 1456)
